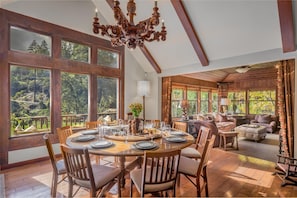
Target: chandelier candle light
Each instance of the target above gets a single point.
(126, 32)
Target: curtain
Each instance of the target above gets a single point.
(166, 99)
(286, 95)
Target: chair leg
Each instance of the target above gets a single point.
(131, 188)
(205, 181)
(54, 185)
(70, 189)
(198, 187)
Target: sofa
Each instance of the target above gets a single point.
(269, 121)
(223, 122)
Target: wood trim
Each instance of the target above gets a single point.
(144, 50)
(192, 34)
(285, 12)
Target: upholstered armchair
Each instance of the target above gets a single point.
(269, 121)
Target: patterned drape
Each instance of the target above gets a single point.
(166, 99)
(286, 95)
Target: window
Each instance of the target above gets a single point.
(237, 102)
(192, 99)
(31, 42)
(204, 102)
(214, 102)
(74, 104)
(107, 99)
(29, 100)
(75, 51)
(262, 102)
(176, 97)
(107, 58)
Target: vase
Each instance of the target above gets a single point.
(134, 126)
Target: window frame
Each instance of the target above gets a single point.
(56, 65)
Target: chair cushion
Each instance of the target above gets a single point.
(102, 176)
(264, 119)
(61, 167)
(136, 176)
(188, 166)
(190, 152)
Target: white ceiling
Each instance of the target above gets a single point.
(232, 32)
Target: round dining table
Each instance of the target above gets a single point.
(122, 146)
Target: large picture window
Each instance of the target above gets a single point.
(176, 96)
(204, 102)
(107, 99)
(262, 102)
(29, 100)
(237, 103)
(74, 104)
(192, 99)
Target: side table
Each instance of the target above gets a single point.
(224, 134)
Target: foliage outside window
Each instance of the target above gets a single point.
(29, 100)
(176, 98)
(107, 58)
(74, 106)
(31, 42)
(107, 97)
(204, 102)
(237, 102)
(75, 51)
(192, 99)
(214, 99)
(262, 102)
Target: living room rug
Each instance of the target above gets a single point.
(266, 149)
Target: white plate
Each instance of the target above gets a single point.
(178, 133)
(175, 139)
(90, 132)
(83, 138)
(145, 145)
(101, 144)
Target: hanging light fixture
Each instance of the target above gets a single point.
(243, 69)
(126, 32)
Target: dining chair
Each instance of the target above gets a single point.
(182, 126)
(200, 143)
(58, 166)
(80, 171)
(196, 169)
(63, 133)
(91, 124)
(158, 173)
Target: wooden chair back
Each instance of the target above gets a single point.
(92, 124)
(160, 169)
(182, 126)
(57, 165)
(205, 155)
(80, 171)
(202, 137)
(63, 133)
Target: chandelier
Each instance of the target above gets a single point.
(126, 32)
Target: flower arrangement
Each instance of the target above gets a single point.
(136, 108)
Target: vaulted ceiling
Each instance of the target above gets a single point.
(202, 35)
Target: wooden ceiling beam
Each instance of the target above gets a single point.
(144, 50)
(285, 12)
(187, 24)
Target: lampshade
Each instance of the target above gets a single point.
(143, 88)
(224, 101)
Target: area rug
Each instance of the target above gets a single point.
(2, 186)
(266, 149)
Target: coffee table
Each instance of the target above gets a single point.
(252, 131)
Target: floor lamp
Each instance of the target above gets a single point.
(143, 89)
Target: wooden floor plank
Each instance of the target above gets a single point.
(229, 175)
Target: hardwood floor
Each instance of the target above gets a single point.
(229, 175)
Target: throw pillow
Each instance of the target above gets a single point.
(223, 118)
(264, 119)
